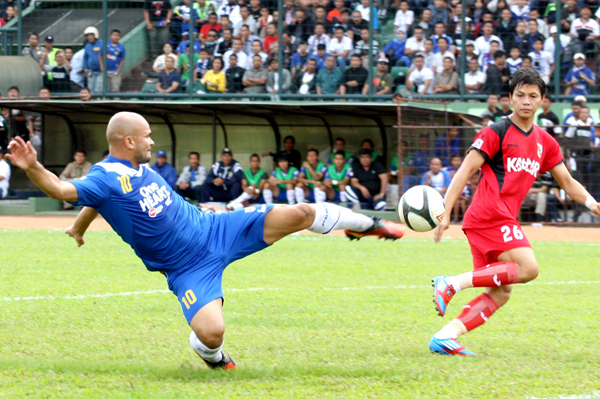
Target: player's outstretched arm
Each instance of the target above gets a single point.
(574, 188)
(83, 221)
(469, 167)
(25, 157)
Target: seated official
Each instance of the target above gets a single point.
(337, 178)
(368, 182)
(280, 186)
(253, 184)
(163, 168)
(189, 184)
(310, 179)
(224, 181)
(437, 177)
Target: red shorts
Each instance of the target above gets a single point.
(487, 244)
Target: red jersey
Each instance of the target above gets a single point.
(513, 161)
(206, 28)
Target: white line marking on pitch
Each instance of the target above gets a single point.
(231, 290)
(591, 395)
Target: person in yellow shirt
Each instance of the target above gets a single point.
(214, 79)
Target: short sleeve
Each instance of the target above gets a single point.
(553, 156)
(303, 170)
(264, 176)
(327, 177)
(350, 173)
(274, 174)
(379, 168)
(296, 173)
(487, 143)
(92, 189)
(323, 170)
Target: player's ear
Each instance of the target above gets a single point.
(129, 142)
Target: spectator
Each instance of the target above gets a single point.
(203, 64)
(455, 162)
(482, 43)
(439, 12)
(580, 127)
(164, 169)
(368, 182)
(362, 48)
(246, 19)
(575, 111)
(183, 13)
(253, 184)
(440, 31)
(300, 59)
(339, 144)
(78, 168)
(189, 183)
(310, 179)
(356, 25)
(212, 24)
(115, 59)
(335, 15)
(420, 77)
(224, 44)
(320, 56)
(169, 80)
(255, 79)
(506, 27)
(548, 119)
(185, 66)
(415, 43)
(48, 60)
(185, 42)
(424, 23)
(205, 8)
(4, 174)
(340, 47)
(549, 44)
(394, 50)
(289, 151)
(345, 22)
(534, 15)
(281, 185)
(382, 80)
(504, 110)
(157, 14)
(61, 81)
(210, 44)
(474, 79)
(329, 78)
(579, 78)
(446, 82)
(533, 35)
(438, 58)
(447, 144)
(159, 63)
(231, 10)
(320, 17)
(543, 62)
(271, 38)
(497, 75)
(92, 59)
(225, 22)
(428, 56)
(262, 20)
(354, 78)
(4, 127)
(33, 51)
(85, 94)
(10, 13)
(436, 177)
(365, 11)
(234, 76)
(256, 50)
(369, 145)
(214, 79)
(337, 177)
(320, 38)
(241, 56)
(586, 30)
(520, 10)
(301, 27)
(18, 120)
(514, 62)
(223, 182)
(470, 48)
(306, 80)
(404, 17)
(273, 81)
(487, 59)
(527, 62)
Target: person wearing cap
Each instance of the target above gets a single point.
(224, 181)
(163, 168)
(92, 60)
(33, 51)
(394, 50)
(382, 80)
(317, 40)
(550, 43)
(192, 177)
(300, 59)
(48, 60)
(340, 47)
(321, 56)
(368, 182)
(4, 174)
(157, 15)
(579, 78)
(362, 48)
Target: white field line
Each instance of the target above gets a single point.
(261, 289)
(591, 395)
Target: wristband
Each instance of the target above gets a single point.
(257, 191)
(589, 201)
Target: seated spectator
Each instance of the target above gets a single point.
(548, 119)
(223, 182)
(163, 168)
(289, 151)
(214, 79)
(256, 50)
(224, 43)
(470, 48)
(549, 43)
(212, 24)
(581, 127)
(273, 80)
(455, 162)
(159, 63)
(424, 23)
(520, 10)
(189, 183)
(329, 78)
(210, 45)
(203, 64)
(365, 11)
(238, 50)
(320, 56)
(368, 182)
(440, 31)
(474, 79)
(320, 17)
(543, 62)
(4, 126)
(319, 38)
(437, 178)
(182, 15)
(362, 48)
(482, 43)
(394, 50)
(527, 62)
(339, 144)
(504, 111)
(340, 47)
(231, 10)
(446, 82)
(255, 79)
(420, 77)
(205, 8)
(354, 78)
(579, 78)
(169, 80)
(300, 59)
(439, 12)
(246, 19)
(537, 196)
(514, 62)
(262, 20)
(382, 80)
(85, 94)
(506, 27)
(270, 38)
(356, 25)
(306, 80)
(533, 34)
(4, 174)
(586, 30)
(186, 67)
(415, 43)
(185, 42)
(447, 144)
(404, 17)
(335, 15)
(226, 22)
(281, 185)
(497, 76)
(234, 76)
(301, 27)
(369, 145)
(75, 170)
(337, 178)
(310, 179)
(487, 59)
(253, 184)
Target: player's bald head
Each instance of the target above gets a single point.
(125, 124)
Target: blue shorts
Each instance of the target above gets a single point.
(233, 236)
(336, 197)
(311, 195)
(259, 200)
(282, 196)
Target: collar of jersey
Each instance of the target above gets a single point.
(519, 129)
(112, 159)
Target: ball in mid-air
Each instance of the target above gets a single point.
(421, 208)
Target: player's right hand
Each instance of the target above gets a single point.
(443, 226)
(22, 154)
(76, 235)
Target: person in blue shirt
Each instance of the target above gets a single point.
(437, 177)
(185, 43)
(166, 170)
(320, 56)
(300, 59)
(394, 50)
(579, 78)
(447, 144)
(115, 59)
(92, 59)
(171, 236)
(420, 163)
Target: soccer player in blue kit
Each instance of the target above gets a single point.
(171, 236)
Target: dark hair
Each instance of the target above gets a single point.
(229, 29)
(88, 90)
(504, 95)
(533, 20)
(79, 150)
(368, 141)
(365, 151)
(320, 24)
(43, 88)
(429, 40)
(245, 6)
(255, 155)
(115, 31)
(105, 153)
(215, 14)
(290, 137)
(417, 28)
(449, 58)
(527, 58)
(442, 38)
(455, 155)
(487, 22)
(353, 56)
(341, 152)
(204, 49)
(312, 59)
(527, 77)
(14, 88)
(440, 22)
(345, 11)
(418, 56)
(233, 55)
(194, 153)
(578, 103)
(495, 41)
(313, 150)
(538, 40)
(499, 54)
(492, 94)
(340, 139)
(246, 26)
(34, 34)
(220, 59)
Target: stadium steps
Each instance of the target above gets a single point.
(31, 206)
(137, 77)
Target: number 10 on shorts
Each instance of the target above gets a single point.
(189, 298)
(516, 233)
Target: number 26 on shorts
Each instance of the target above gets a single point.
(189, 298)
(516, 233)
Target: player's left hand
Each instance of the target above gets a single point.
(22, 154)
(76, 235)
(595, 208)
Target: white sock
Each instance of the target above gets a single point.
(299, 195)
(244, 197)
(343, 196)
(268, 196)
(330, 217)
(320, 196)
(291, 196)
(454, 281)
(454, 329)
(210, 355)
(237, 206)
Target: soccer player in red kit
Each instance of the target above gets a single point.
(511, 153)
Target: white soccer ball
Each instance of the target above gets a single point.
(421, 208)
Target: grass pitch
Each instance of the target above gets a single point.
(309, 317)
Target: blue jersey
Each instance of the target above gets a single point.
(114, 55)
(164, 230)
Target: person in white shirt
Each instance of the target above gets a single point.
(415, 43)
(230, 9)
(482, 43)
(421, 77)
(320, 37)
(586, 29)
(542, 61)
(404, 17)
(549, 44)
(487, 59)
(4, 174)
(159, 62)
(340, 47)
(474, 79)
(245, 19)
(520, 10)
(438, 58)
(256, 50)
(238, 50)
(77, 74)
